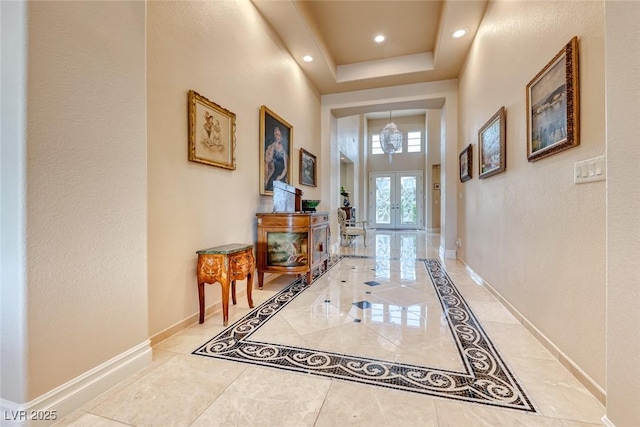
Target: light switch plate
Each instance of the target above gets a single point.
(589, 170)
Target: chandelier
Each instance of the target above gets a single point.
(390, 138)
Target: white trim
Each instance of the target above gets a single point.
(447, 253)
(433, 230)
(607, 423)
(73, 394)
(475, 276)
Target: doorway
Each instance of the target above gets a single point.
(396, 200)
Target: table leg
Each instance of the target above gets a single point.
(201, 300)
(250, 289)
(260, 279)
(225, 302)
(233, 291)
(309, 274)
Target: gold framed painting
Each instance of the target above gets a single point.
(308, 169)
(492, 147)
(276, 143)
(212, 132)
(553, 105)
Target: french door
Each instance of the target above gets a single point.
(396, 200)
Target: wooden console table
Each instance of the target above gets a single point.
(292, 243)
(225, 264)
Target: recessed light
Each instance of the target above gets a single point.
(379, 38)
(307, 58)
(459, 33)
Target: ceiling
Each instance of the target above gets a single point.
(339, 34)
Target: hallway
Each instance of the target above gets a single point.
(375, 325)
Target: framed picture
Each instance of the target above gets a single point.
(465, 160)
(276, 142)
(212, 132)
(308, 169)
(492, 145)
(553, 105)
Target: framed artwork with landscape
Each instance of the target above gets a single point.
(492, 148)
(465, 161)
(553, 105)
(276, 142)
(308, 170)
(212, 132)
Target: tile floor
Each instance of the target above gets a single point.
(393, 328)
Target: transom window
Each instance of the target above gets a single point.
(375, 145)
(414, 141)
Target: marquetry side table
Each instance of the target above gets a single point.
(225, 264)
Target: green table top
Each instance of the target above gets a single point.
(225, 249)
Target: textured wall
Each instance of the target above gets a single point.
(86, 192)
(227, 53)
(623, 205)
(533, 234)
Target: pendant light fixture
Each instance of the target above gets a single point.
(390, 138)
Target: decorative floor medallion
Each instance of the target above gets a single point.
(486, 379)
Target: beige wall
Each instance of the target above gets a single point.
(623, 205)
(227, 53)
(537, 238)
(86, 217)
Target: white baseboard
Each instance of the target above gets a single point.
(447, 253)
(61, 401)
(606, 422)
(475, 276)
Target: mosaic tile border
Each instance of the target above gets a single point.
(486, 379)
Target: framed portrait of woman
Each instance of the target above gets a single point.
(276, 143)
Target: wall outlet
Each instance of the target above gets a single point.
(459, 243)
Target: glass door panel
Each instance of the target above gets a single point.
(383, 200)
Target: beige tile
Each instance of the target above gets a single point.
(306, 320)
(492, 311)
(555, 392)
(278, 331)
(429, 355)
(173, 394)
(349, 404)
(158, 357)
(515, 340)
(459, 414)
(267, 397)
(84, 419)
(352, 339)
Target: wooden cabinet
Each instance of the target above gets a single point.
(292, 243)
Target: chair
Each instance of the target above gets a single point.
(349, 230)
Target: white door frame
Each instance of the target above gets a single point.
(395, 220)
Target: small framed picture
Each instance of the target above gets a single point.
(308, 170)
(465, 161)
(212, 132)
(276, 142)
(553, 105)
(492, 146)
